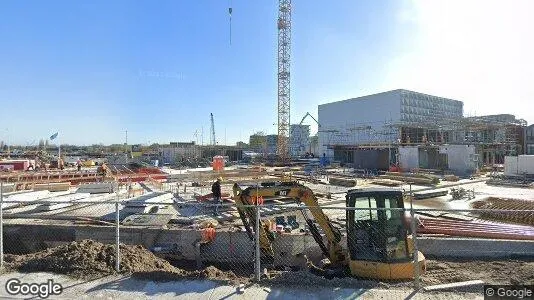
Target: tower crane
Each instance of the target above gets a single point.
(284, 63)
(212, 130)
(284, 95)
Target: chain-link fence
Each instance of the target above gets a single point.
(183, 233)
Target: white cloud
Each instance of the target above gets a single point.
(478, 51)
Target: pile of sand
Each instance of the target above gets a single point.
(89, 259)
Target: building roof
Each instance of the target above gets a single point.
(399, 91)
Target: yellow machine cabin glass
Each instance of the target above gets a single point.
(375, 233)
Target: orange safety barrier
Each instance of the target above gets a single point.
(218, 163)
(208, 234)
(257, 200)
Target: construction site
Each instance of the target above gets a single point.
(397, 189)
(274, 225)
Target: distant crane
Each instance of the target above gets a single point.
(306, 115)
(302, 121)
(212, 130)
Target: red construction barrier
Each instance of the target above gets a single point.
(208, 234)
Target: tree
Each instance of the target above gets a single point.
(258, 141)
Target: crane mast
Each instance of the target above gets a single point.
(212, 130)
(284, 57)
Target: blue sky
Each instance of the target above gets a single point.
(93, 69)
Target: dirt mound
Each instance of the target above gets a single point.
(212, 272)
(89, 259)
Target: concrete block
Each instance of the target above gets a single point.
(17, 199)
(229, 247)
(97, 188)
(342, 181)
(8, 188)
(52, 187)
(525, 164)
(511, 165)
(408, 158)
(461, 159)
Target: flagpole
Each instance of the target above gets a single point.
(53, 137)
(59, 155)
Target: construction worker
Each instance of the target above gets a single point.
(216, 190)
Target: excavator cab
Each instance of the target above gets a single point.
(378, 236)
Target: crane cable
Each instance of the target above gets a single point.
(230, 14)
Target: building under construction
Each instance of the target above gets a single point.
(415, 130)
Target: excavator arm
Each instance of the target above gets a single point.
(301, 194)
(244, 201)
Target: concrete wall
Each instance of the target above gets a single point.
(510, 165)
(461, 159)
(519, 165)
(314, 145)
(171, 154)
(529, 140)
(364, 159)
(299, 139)
(344, 116)
(408, 157)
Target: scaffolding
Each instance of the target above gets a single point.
(495, 136)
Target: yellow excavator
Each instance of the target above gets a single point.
(379, 243)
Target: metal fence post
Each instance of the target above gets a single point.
(414, 237)
(1, 226)
(257, 266)
(117, 235)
